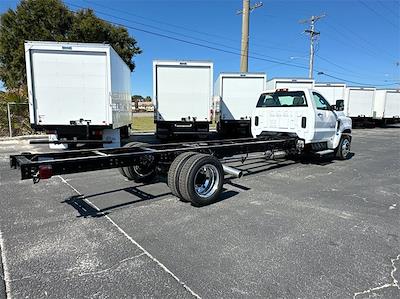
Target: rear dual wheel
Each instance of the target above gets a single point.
(198, 178)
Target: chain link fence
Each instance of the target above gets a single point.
(14, 115)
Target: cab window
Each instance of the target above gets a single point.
(282, 99)
(320, 102)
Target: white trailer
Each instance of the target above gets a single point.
(278, 83)
(78, 91)
(238, 93)
(182, 95)
(331, 91)
(387, 105)
(359, 102)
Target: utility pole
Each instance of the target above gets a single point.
(244, 52)
(313, 36)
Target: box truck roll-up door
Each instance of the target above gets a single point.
(183, 92)
(240, 96)
(75, 89)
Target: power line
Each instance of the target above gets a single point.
(388, 9)
(371, 51)
(173, 32)
(377, 13)
(207, 46)
(208, 34)
(186, 41)
(354, 82)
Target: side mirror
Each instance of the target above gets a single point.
(339, 105)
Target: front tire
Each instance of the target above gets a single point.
(343, 149)
(201, 179)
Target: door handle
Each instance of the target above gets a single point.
(320, 114)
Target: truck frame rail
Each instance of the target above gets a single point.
(38, 166)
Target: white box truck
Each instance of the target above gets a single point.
(78, 92)
(182, 96)
(278, 83)
(387, 105)
(359, 102)
(238, 93)
(331, 91)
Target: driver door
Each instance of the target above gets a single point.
(325, 118)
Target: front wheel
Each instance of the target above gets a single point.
(343, 149)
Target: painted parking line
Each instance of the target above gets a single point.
(161, 265)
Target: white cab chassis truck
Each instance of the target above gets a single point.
(331, 91)
(285, 123)
(307, 114)
(238, 94)
(359, 103)
(387, 105)
(79, 92)
(276, 83)
(182, 96)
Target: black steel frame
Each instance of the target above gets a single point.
(74, 161)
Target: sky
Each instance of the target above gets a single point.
(359, 40)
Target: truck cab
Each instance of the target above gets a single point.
(324, 128)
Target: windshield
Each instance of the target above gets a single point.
(283, 99)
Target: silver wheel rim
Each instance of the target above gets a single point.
(206, 180)
(345, 147)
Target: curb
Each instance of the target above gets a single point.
(23, 137)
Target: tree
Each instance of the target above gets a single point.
(88, 28)
(137, 97)
(50, 20)
(47, 20)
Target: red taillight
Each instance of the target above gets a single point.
(45, 171)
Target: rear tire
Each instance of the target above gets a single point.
(174, 172)
(142, 173)
(121, 169)
(201, 179)
(343, 149)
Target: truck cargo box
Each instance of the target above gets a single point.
(387, 104)
(331, 91)
(182, 96)
(182, 90)
(277, 83)
(359, 102)
(69, 82)
(239, 93)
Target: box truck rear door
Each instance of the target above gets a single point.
(68, 86)
(183, 92)
(240, 96)
(392, 107)
(360, 103)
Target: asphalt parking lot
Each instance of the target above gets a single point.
(285, 230)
